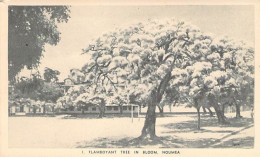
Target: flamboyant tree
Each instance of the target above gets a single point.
(149, 55)
(158, 59)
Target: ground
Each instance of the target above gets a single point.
(174, 131)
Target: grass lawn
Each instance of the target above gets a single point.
(174, 131)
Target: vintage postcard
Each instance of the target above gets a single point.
(139, 78)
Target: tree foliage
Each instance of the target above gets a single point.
(51, 75)
(37, 89)
(29, 29)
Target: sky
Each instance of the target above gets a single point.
(89, 22)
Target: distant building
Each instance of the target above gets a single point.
(66, 84)
(109, 108)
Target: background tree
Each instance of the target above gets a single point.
(242, 84)
(237, 61)
(36, 89)
(50, 75)
(209, 110)
(214, 82)
(170, 98)
(29, 29)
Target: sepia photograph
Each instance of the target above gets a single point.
(109, 79)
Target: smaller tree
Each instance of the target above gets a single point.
(51, 75)
(51, 92)
(29, 88)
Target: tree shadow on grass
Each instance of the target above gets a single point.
(159, 142)
(239, 122)
(166, 142)
(247, 142)
(118, 143)
(173, 141)
(191, 125)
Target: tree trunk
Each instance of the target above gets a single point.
(238, 115)
(44, 109)
(100, 114)
(149, 124)
(223, 109)
(198, 112)
(34, 109)
(101, 111)
(82, 111)
(121, 109)
(170, 107)
(220, 115)
(204, 110)
(210, 112)
(161, 111)
(53, 110)
(156, 97)
(21, 108)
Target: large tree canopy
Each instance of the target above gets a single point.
(160, 58)
(30, 28)
(147, 58)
